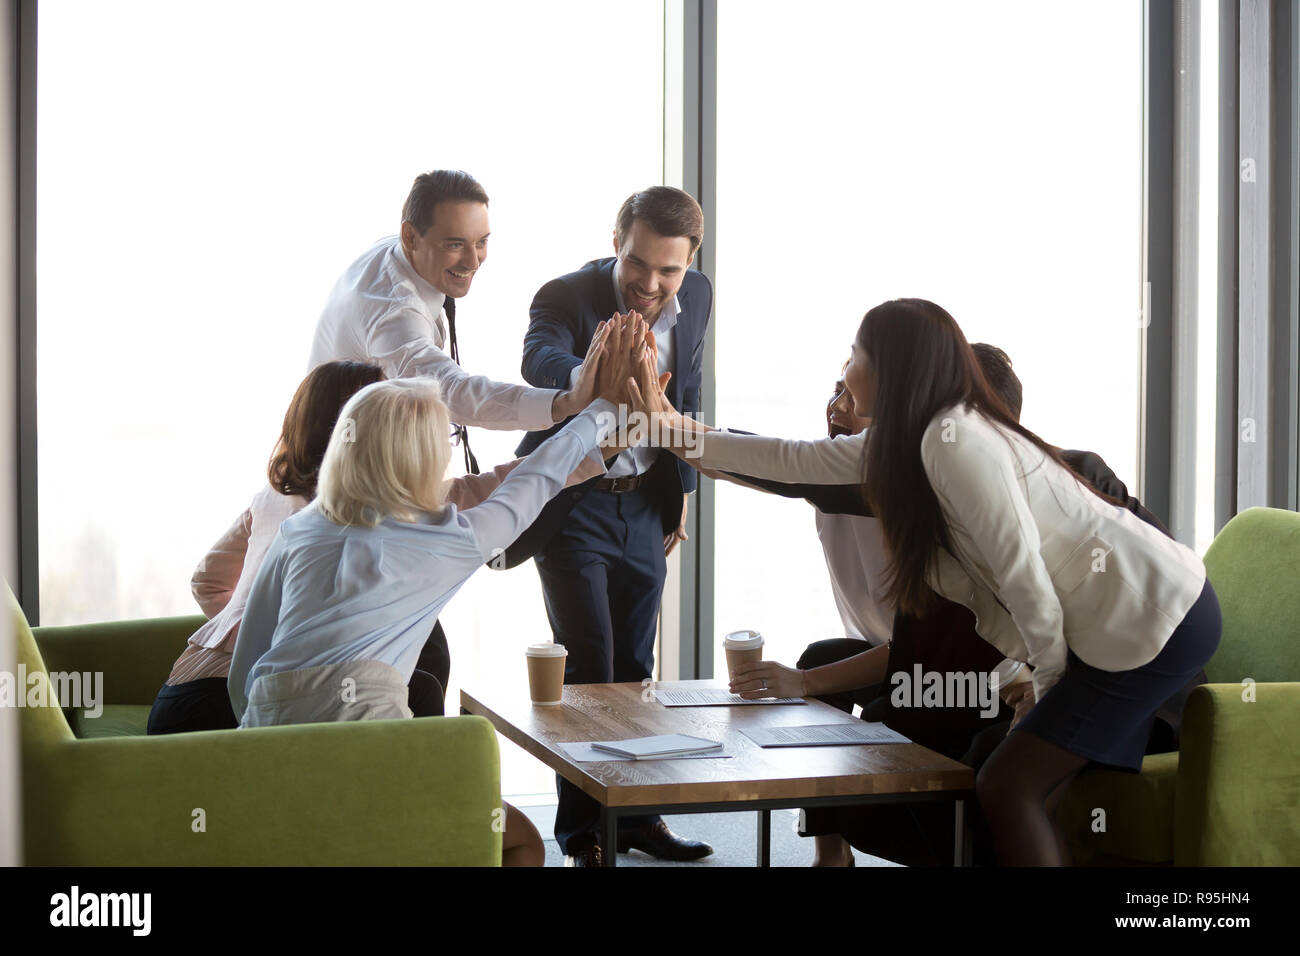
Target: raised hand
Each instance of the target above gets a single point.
(624, 341)
(673, 431)
(646, 390)
(585, 388)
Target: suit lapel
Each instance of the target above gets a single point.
(686, 336)
(603, 298)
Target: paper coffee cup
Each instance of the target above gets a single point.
(742, 647)
(546, 672)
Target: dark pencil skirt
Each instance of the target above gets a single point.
(1107, 716)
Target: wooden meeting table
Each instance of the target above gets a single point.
(752, 778)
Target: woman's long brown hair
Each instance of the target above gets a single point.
(309, 421)
(923, 365)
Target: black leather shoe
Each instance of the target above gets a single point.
(662, 843)
(585, 856)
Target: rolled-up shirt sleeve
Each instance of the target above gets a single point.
(399, 343)
(823, 461)
(218, 573)
(975, 481)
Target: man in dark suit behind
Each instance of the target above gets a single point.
(603, 569)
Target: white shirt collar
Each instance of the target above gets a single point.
(667, 315)
(426, 289)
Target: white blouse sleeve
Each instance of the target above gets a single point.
(399, 342)
(974, 478)
(823, 461)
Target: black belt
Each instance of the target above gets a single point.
(620, 485)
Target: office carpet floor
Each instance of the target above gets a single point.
(733, 836)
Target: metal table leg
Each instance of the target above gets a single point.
(608, 837)
(963, 835)
(963, 829)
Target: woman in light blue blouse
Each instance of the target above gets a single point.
(351, 586)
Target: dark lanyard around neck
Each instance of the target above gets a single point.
(460, 432)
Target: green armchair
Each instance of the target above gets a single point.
(1231, 795)
(97, 792)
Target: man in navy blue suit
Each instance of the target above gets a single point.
(602, 569)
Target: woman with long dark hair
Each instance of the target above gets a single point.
(1112, 616)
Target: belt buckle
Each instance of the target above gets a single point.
(621, 484)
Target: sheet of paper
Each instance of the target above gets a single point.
(825, 735)
(583, 752)
(714, 697)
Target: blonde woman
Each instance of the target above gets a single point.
(195, 696)
(351, 585)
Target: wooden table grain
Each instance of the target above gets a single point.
(753, 778)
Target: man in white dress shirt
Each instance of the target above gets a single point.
(395, 307)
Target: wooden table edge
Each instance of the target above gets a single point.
(962, 782)
(556, 761)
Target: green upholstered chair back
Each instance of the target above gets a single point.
(1254, 565)
(354, 793)
(40, 725)
(135, 657)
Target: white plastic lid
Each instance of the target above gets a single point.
(546, 649)
(743, 640)
(1010, 673)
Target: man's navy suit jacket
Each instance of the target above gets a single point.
(563, 318)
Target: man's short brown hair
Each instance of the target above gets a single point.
(668, 211)
(441, 185)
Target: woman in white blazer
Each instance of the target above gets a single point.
(1112, 616)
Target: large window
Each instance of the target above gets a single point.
(206, 172)
(984, 156)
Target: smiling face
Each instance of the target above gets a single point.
(651, 268)
(448, 255)
(860, 381)
(840, 418)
